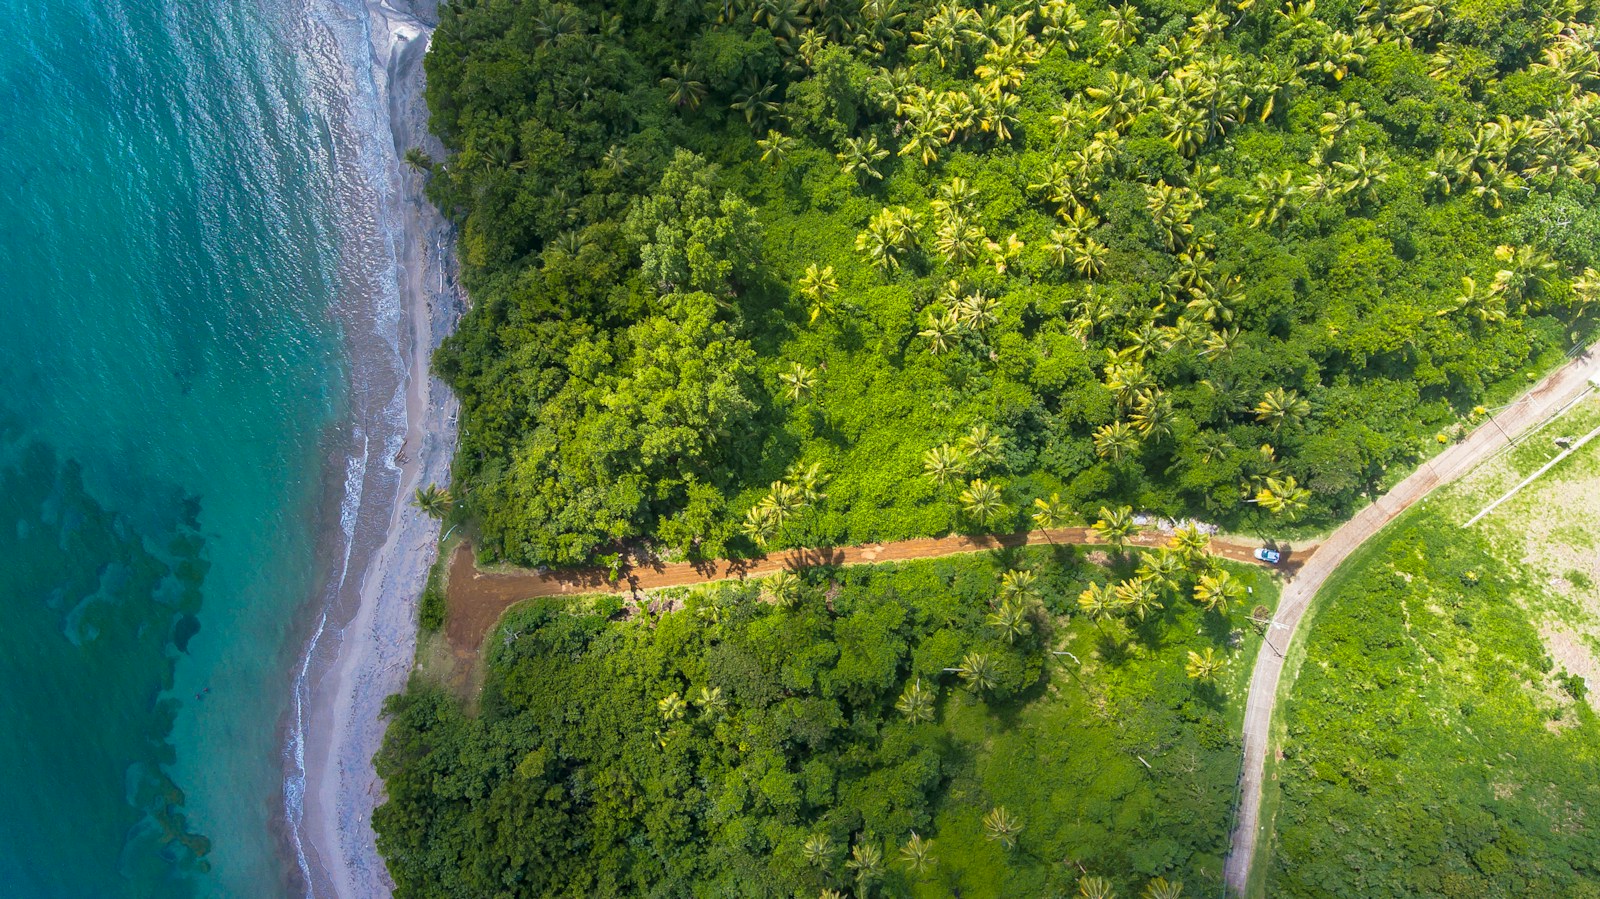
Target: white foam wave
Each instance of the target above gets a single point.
(346, 72)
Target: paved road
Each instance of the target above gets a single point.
(1548, 397)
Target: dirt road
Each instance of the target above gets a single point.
(1551, 395)
(477, 598)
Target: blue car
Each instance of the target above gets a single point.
(1269, 556)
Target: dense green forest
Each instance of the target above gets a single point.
(928, 729)
(1433, 749)
(804, 272)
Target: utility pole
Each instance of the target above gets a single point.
(1509, 439)
(1267, 639)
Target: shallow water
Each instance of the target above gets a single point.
(171, 379)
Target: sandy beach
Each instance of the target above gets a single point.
(363, 648)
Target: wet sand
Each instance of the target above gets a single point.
(363, 650)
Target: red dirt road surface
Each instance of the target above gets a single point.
(477, 598)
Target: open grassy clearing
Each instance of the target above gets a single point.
(1440, 739)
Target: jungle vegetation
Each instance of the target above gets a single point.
(753, 273)
(920, 729)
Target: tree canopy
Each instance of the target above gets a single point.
(935, 726)
(1226, 260)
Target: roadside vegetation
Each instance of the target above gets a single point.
(1441, 736)
(907, 730)
(751, 274)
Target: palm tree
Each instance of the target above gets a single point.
(1011, 620)
(1062, 23)
(818, 850)
(1361, 175)
(1049, 514)
(998, 111)
(1217, 591)
(1098, 602)
(944, 463)
(433, 501)
(756, 104)
(819, 285)
(940, 332)
(1274, 194)
(761, 522)
(917, 853)
(711, 701)
(683, 87)
(958, 240)
(1485, 305)
(977, 671)
(1152, 415)
(1161, 888)
(866, 860)
(783, 588)
(617, 161)
(916, 702)
(1121, 99)
(776, 147)
(1163, 568)
(786, 499)
(1121, 29)
(889, 232)
(976, 311)
(798, 381)
(1337, 120)
(1191, 544)
(1115, 526)
(671, 706)
(1586, 288)
(1283, 497)
(1220, 343)
(1126, 376)
(782, 18)
(981, 446)
(1095, 888)
(1204, 665)
(1171, 210)
(1529, 269)
(861, 156)
(1281, 407)
(418, 159)
(808, 481)
(981, 499)
(1002, 827)
(1213, 445)
(1115, 441)
(1186, 129)
(922, 140)
(1020, 584)
(1209, 306)
(1138, 595)
(1089, 257)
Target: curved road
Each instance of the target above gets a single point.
(477, 597)
(1556, 391)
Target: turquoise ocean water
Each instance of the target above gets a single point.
(169, 371)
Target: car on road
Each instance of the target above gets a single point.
(1269, 556)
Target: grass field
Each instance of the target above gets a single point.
(1441, 737)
